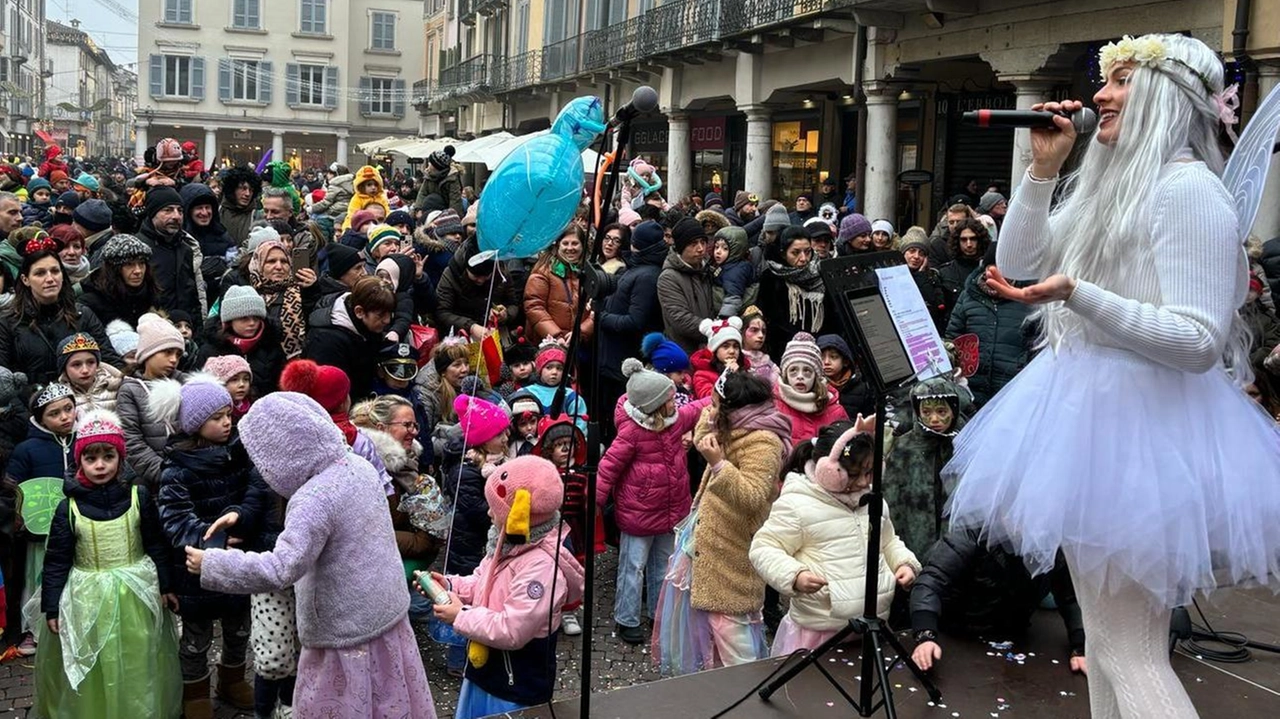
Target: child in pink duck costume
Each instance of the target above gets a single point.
(509, 608)
(338, 549)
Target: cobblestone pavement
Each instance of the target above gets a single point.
(614, 663)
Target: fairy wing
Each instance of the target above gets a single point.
(1246, 173)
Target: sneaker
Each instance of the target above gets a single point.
(632, 635)
(284, 712)
(569, 623)
(27, 647)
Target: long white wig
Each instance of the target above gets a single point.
(1168, 111)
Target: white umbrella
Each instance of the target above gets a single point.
(494, 154)
(374, 147)
(420, 148)
(474, 150)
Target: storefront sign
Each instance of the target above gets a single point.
(707, 133)
(238, 135)
(649, 137)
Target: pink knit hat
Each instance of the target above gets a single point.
(480, 420)
(523, 493)
(225, 367)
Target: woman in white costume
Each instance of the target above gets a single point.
(1126, 443)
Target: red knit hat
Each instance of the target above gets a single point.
(328, 386)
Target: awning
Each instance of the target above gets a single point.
(493, 153)
(375, 147)
(422, 148)
(481, 148)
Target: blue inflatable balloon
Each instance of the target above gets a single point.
(535, 190)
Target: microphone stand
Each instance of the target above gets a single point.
(586, 291)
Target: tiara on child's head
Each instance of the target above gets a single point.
(53, 392)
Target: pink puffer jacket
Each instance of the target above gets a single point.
(647, 473)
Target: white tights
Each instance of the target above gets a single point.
(1127, 644)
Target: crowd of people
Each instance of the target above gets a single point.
(187, 352)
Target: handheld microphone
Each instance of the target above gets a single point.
(1085, 119)
(643, 101)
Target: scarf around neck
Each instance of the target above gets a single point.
(764, 416)
(804, 291)
(245, 345)
(646, 420)
(803, 402)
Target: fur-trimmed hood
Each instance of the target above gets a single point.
(394, 456)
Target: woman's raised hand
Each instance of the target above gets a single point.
(1050, 147)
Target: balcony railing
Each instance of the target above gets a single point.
(741, 16)
(562, 59)
(680, 25)
(473, 76)
(421, 91)
(518, 72)
(467, 11)
(615, 45)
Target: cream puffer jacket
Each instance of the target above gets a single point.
(808, 528)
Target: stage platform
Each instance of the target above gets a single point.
(973, 682)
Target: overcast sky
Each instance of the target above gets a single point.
(113, 33)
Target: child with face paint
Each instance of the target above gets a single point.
(755, 333)
(912, 484)
(802, 392)
(723, 351)
(815, 539)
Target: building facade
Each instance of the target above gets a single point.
(306, 80)
(79, 91)
(23, 70)
(772, 95)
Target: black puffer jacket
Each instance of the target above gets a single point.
(102, 503)
(631, 311)
(175, 262)
(463, 487)
(266, 359)
(214, 240)
(336, 337)
(954, 276)
(34, 350)
(1005, 337)
(461, 303)
(971, 590)
(197, 486)
(128, 308)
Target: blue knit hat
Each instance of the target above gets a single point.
(665, 356)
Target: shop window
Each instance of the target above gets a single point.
(795, 158)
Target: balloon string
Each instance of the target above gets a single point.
(457, 484)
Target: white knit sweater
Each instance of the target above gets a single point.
(1181, 285)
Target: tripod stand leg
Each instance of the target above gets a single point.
(882, 675)
(905, 658)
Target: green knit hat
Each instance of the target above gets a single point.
(379, 234)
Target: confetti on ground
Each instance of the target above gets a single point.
(911, 689)
(831, 704)
(1055, 661)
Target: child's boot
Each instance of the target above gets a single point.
(196, 703)
(232, 688)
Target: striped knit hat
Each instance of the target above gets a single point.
(804, 349)
(379, 234)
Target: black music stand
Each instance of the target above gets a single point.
(853, 283)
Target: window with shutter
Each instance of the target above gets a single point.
(224, 79)
(177, 12)
(292, 84)
(265, 81)
(197, 78)
(400, 92)
(245, 83)
(176, 75)
(331, 87)
(366, 96)
(313, 17)
(156, 75)
(245, 15)
(311, 85)
(382, 30)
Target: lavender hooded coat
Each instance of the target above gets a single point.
(338, 547)
(646, 471)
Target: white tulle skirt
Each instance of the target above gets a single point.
(1133, 469)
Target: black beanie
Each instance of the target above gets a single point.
(685, 232)
(341, 259)
(160, 198)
